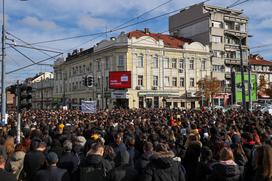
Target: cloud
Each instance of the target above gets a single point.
(90, 23)
(39, 24)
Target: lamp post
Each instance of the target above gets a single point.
(3, 70)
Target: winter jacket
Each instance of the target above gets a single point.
(163, 167)
(94, 167)
(225, 171)
(142, 162)
(6, 176)
(70, 162)
(17, 163)
(34, 161)
(52, 173)
(123, 173)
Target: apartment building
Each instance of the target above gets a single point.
(222, 29)
(164, 71)
(42, 91)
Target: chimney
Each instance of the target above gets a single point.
(81, 50)
(146, 30)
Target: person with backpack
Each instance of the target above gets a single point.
(95, 167)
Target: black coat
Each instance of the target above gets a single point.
(123, 173)
(52, 173)
(34, 161)
(142, 162)
(225, 172)
(162, 167)
(94, 167)
(6, 176)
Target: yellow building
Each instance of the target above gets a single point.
(164, 71)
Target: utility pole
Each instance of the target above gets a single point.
(18, 111)
(249, 88)
(242, 74)
(3, 72)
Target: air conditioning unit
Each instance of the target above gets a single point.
(180, 70)
(154, 88)
(138, 87)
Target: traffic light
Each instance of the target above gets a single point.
(24, 97)
(90, 81)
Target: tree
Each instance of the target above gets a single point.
(209, 86)
(262, 83)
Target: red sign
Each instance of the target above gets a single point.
(120, 80)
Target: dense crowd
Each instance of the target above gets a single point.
(142, 144)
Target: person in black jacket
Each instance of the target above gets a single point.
(124, 171)
(69, 160)
(144, 159)
(4, 175)
(52, 173)
(35, 159)
(163, 166)
(226, 169)
(95, 167)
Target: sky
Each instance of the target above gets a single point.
(41, 20)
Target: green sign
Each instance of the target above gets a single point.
(238, 87)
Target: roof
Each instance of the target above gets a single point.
(168, 40)
(258, 60)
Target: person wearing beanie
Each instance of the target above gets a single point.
(52, 173)
(69, 160)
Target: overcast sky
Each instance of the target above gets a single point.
(42, 20)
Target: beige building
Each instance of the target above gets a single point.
(221, 29)
(164, 71)
(42, 91)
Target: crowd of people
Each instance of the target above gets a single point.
(140, 144)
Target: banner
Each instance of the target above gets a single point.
(88, 106)
(120, 80)
(237, 80)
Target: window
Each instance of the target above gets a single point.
(191, 64)
(166, 81)
(155, 62)
(121, 60)
(243, 27)
(217, 53)
(84, 68)
(107, 83)
(203, 65)
(155, 80)
(218, 68)
(217, 39)
(91, 67)
(166, 63)
(107, 59)
(181, 64)
(140, 80)
(174, 81)
(192, 82)
(181, 81)
(217, 24)
(98, 82)
(98, 65)
(174, 63)
(140, 61)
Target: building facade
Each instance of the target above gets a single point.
(42, 91)
(164, 71)
(262, 68)
(220, 28)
